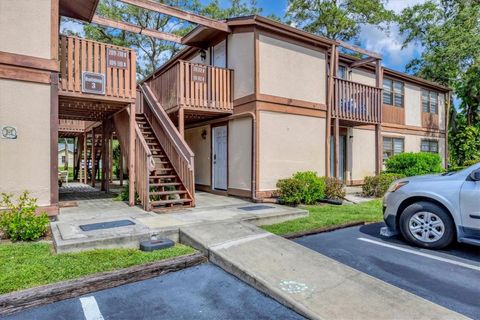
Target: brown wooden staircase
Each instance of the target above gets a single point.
(166, 189)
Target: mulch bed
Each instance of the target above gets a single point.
(34, 297)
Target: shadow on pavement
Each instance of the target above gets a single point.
(459, 250)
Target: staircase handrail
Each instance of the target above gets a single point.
(180, 145)
(177, 150)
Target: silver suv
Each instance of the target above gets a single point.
(431, 211)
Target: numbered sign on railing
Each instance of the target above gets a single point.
(93, 82)
(199, 73)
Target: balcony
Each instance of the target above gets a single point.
(96, 79)
(196, 88)
(356, 102)
(72, 128)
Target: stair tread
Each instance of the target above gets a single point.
(165, 184)
(165, 193)
(159, 202)
(163, 176)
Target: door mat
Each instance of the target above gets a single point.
(255, 208)
(106, 225)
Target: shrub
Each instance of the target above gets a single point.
(376, 186)
(290, 191)
(124, 194)
(334, 188)
(19, 221)
(304, 187)
(469, 163)
(414, 164)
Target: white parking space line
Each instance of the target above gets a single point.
(426, 255)
(90, 308)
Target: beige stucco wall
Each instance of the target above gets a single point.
(240, 154)
(291, 71)
(201, 149)
(363, 77)
(25, 27)
(25, 161)
(413, 142)
(413, 108)
(241, 59)
(198, 59)
(287, 144)
(361, 161)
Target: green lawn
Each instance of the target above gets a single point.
(25, 265)
(322, 216)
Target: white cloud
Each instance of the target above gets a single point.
(72, 26)
(389, 43)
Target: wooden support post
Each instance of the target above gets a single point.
(181, 122)
(110, 154)
(336, 131)
(74, 156)
(107, 157)
(378, 126)
(120, 167)
(85, 165)
(328, 129)
(104, 156)
(379, 148)
(131, 157)
(94, 152)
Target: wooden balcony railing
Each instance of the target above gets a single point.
(116, 64)
(194, 86)
(357, 102)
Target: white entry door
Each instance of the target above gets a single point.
(219, 158)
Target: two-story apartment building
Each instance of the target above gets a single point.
(247, 102)
(281, 120)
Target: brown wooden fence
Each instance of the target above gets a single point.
(79, 55)
(357, 102)
(194, 85)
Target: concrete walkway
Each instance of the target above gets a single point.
(69, 237)
(304, 280)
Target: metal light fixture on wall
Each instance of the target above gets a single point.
(204, 134)
(203, 55)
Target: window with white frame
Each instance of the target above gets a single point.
(429, 101)
(392, 146)
(429, 146)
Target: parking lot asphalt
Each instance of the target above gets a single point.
(449, 277)
(202, 292)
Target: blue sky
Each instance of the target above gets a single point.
(389, 44)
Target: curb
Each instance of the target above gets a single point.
(34, 297)
(300, 234)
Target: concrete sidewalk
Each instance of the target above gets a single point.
(69, 237)
(304, 280)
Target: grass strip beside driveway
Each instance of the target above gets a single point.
(26, 265)
(323, 216)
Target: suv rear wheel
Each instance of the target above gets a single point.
(427, 225)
